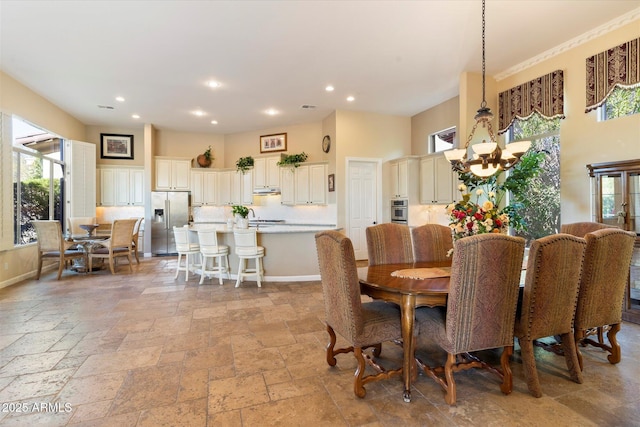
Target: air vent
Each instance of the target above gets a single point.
(307, 107)
(106, 107)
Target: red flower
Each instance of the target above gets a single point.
(498, 223)
(478, 215)
(470, 225)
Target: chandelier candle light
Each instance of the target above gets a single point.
(487, 157)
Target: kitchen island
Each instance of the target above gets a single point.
(290, 250)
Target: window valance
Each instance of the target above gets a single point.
(544, 94)
(618, 66)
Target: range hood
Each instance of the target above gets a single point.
(266, 191)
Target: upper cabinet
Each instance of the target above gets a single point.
(235, 188)
(437, 180)
(121, 186)
(172, 174)
(204, 186)
(404, 179)
(266, 172)
(304, 185)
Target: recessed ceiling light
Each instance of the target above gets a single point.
(271, 112)
(214, 122)
(119, 98)
(135, 116)
(350, 98)
(213, 84)
(198, 113)
(329, 88)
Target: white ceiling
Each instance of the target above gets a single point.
(394, 57)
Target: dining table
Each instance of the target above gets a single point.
(87, 241)
(410, 285)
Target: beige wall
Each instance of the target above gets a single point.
(186, 144)
(93, 136)
(583, 139)
(431, 121)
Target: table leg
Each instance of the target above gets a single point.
(408, 310)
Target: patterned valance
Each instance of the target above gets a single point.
(618, 66)
(544, 95)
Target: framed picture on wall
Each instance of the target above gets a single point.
(332, 182)
(275, 142)
(116, 146)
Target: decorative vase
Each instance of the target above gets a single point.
(203, 162)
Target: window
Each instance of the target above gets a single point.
(620, 103)
(37, 179)
(543, 213)
(442, 141)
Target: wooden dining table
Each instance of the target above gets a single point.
(409, 285)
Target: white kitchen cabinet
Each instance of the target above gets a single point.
(266, 172)
(204, 185)
(404, 178)
(437, 181)
(172, 174)
(121, 187)
(304, 185)
(235, 188)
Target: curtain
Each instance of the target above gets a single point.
(615, 67)
(544, 94)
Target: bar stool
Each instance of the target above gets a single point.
(187, 248)
(246, 242)
(210, 249)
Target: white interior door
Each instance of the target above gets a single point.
(363, 201)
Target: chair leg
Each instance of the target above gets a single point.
(137, 256)
(259, 271)
(615, 355)
(61, 267)
(358, 388)
(578, 336)
(39, 267)
(571, 357)
(227, 267)
(505, 363)
(221, 269)
(130, 262)
(331, 359)
(111, 267)
(204, 268)
(178, 266)
(529, 364)
(241, 266)
(450, 397)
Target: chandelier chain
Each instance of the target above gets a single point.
(484, 102)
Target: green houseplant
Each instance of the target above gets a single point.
(241, 213)
(293, 159)
(244, 163)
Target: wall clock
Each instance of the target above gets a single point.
(326, 143)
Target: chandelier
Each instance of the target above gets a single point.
(486, 157)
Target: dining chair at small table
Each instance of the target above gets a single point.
(215, 254)
(246, 242)
(135, 237)
(51, 244)
(118, 245)
(549, 302)
(480, 312)
(363, 325)
(389, 243)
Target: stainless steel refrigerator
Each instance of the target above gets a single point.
(169, 209)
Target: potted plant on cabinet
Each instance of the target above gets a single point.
(204, 160)
(293, 159)
(241, 213)
(244, 163)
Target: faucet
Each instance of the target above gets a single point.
(253, 214)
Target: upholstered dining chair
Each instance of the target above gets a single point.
(581, 228)
(116, 246)
(363, 325)
(549, 301)
(480, 312)
(185, 247)
(603, 282)
(214, 253)
(52, 245)
(431, 242)
(389, 243)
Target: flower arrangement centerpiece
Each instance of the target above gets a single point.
(484, 208)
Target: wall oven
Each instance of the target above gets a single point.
(399, 211)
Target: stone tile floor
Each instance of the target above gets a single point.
(144, 349)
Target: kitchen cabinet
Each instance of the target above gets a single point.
(172, 174)
(235, 188)
(616, 201)
(438, 182)
(204, 186)
(80, 183)
(404, 179)
(266, 172)
(121, 187)
(304, 185)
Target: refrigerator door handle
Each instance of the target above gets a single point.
(167, 216)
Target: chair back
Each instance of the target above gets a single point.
(136, 229)
(551, 286)
(389, 243)
(49, 234)
(581, 228)
(181, 235)
(431, 242)
(73, 223)
(483, 292)
(245, 238)
(604, 279)
(208, 240)
(122, 232)
(340, 285)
